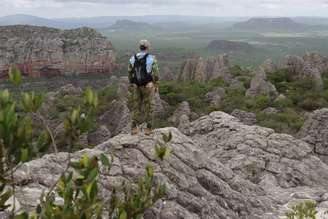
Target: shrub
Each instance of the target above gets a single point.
(288, 121)
(236, 70)
(305, 210)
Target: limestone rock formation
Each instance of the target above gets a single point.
(182, 109)
(260, 86)
(216, 96)
(316, 60)
(201, 70)
(292, 63)
(117, 118)
(167, 74)
(312, 65)
(268, 66)
(224, 169)
(247, 118)
(42, 51)
(315, 132)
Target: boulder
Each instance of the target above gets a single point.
(216, 96)
(260, 86)
(184, 124)
(315, 60)
(99, 136)
(315, 131)
(223, 169)
(247, 118)
(268, 66)
(43, 51)
(167, 74)
(182, 109)
(270, 110)
(312, 72)
(161, 109)
(69, 89)
(117, 118)
(293, 64)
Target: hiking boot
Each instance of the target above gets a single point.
(148, 131)
(135, 131)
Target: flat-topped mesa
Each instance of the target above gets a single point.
(43, 51)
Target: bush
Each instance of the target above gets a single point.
(257, 103)
(288, 121)
(304, 210)
(236, 70)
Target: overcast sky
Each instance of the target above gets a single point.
(88, 8)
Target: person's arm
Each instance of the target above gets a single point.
(155, 71)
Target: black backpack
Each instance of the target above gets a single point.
(140, 76)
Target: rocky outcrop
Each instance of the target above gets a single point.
(261, 86)
(311, 65)
(315, 132)
(316, 60)
(215, 97)
(198, 69)
(247, 118)
(182, 109)
(167, 74)
(224, 169)
(42, 51)
(292, 63)
(268, 66)
(117, 118)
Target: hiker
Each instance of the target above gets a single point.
(143, 76)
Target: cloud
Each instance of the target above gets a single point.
(78, 8)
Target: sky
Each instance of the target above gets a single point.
(232, 8)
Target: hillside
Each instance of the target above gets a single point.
(128, 25)
(269, 24)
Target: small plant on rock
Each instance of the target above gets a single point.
(305, 210)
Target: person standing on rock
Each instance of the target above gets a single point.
(143, 76)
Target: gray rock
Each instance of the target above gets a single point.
(216, 96)
(270, 110)
(183, 109)
(167, 74)
(260, 86)
(268, 66)
(293, 64)
(184, 124)
(202, 70)
(224, 169)
(117, 118)
(100, 135)
(314, 74)
(247, 118)
(161, 109)
(315, 131)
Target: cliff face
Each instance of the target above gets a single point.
(42, 51)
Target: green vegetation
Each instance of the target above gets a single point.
(305, 210)
(21, 141)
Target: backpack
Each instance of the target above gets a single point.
(140, 76)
